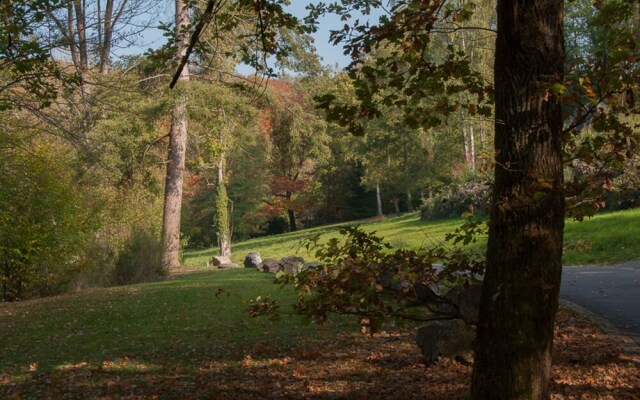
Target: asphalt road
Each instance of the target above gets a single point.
(613, 292)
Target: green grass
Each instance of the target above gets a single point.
(603, 239)
(201, 316)
(180, 321)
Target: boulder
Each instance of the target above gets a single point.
(252, 260)
(270, 265)
(447, 339)
(466, 298)
(220, 260)
(291, 264)
(310, 265)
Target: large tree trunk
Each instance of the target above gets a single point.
(522, 281)
(176, 158)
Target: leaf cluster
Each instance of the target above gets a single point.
(364, 276)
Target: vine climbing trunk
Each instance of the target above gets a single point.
(222, 212)
(522, 281)
(177, 151)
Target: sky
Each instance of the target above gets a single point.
(331, 55)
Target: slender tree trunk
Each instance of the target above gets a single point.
(105, 41)
(396, 204)
(409, 201)
(176, 158)
(522, 281)
(472, 148)
(292, 220)
(75, 58)
(81, 28)
(222, 206)
(379, 201)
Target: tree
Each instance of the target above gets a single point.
(177, 151)
(520, 295)
(297, 140)
(25, 65)
(524, 255)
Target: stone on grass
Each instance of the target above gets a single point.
(291, 264)
(447, 339)
(252, 260)
(221, 262)
(270, 265)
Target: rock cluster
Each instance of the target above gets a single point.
(291, 264)
(453, 338)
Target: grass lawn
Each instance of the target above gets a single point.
(604, 239)
(190, 337)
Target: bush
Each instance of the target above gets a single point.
(43, 228)
(140, 261)
(455, 199)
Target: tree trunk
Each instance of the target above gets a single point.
(176, 158)
(292, 220)
(522, 281)
(409, 201)
(472, 148)
(379, 201)
(105, 42)
(222, 211)
(396, 204)
(81, 28)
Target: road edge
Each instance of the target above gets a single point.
(628, 345)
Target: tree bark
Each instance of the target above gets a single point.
(379, 201)
(409, 201)
(396, 204)
(81, 28)
(522, 281)
(176, 157)
(105, 42)
(292, 220)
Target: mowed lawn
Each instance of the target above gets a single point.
(191, 335)
(603, 239)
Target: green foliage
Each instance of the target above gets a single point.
(140, 260)
(27, 74)
(364, 276)
(221, 218)
(43, 223)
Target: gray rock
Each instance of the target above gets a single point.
(310, 265)
(252, 260)
(447, 339)
(466, 298)
(291, 264)
(270, 265)
(219, 260)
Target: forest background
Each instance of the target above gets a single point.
(86, 116)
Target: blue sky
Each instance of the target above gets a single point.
(331, 55)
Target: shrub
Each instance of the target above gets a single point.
(455, 199)
(42, 227)
(140, 261)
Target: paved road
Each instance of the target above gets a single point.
(612, 292)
